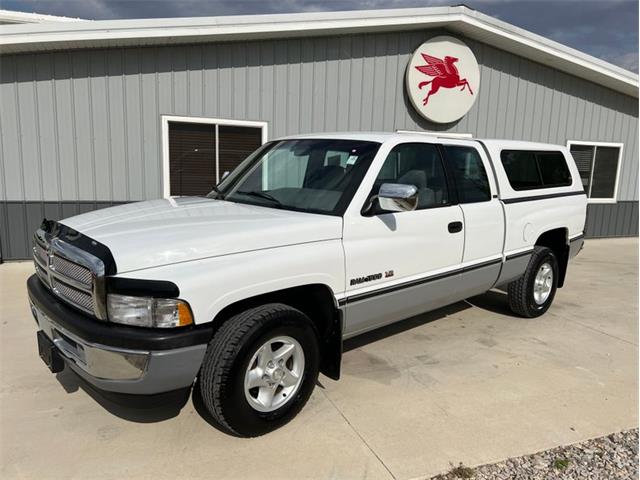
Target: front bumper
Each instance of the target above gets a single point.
(119, 358)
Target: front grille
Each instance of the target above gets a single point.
(73, 295)
(70, 273)
(71, 270)
(40, 254)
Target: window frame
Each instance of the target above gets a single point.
(451, 172)
(620, 146)
(165, 119)
(452, 191)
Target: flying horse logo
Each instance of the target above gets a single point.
(445, 73)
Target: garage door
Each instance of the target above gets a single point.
(200, 153)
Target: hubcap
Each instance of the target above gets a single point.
(274, 374)
(543, 284)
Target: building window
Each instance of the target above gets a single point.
(197, 152)
(533, 169)
(599, 165)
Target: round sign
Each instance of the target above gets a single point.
(443, 79)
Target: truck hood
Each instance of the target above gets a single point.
(160, 232)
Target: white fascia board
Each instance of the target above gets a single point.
(25, 17)
(475, 25)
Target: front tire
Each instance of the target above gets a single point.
(260, 369)
(531, 295)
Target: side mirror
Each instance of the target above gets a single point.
(397, 197)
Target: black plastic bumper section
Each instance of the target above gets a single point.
(111, 334)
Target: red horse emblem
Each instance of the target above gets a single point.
(445, 73)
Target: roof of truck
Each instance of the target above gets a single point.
(382, 137)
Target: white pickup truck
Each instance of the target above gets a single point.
(249, 292)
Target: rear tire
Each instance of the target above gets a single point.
(243, 353)
(531, 295)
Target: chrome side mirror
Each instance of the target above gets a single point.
(397, 197)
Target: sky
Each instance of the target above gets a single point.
(606, 29)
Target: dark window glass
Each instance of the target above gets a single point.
(528, 170)
(416, 164)
(553, 169)
(522, 170)
(583, 156)
(604, 172)
(598, 167)
(470, 175)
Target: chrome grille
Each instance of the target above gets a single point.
(73, 295)
(40, 254)
(71, 270)
(72, 274)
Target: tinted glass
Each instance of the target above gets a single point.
(521, 168)
(313, 175)
(416, 164)
(528, 170)
(604, 172)
(553, 169)
(470, 175)
(583, 156)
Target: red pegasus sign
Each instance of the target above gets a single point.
(445, 73)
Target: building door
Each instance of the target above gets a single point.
(199, 153)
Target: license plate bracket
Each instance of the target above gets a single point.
(49, 353)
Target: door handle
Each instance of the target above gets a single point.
(455, 227)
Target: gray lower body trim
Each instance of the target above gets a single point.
(513, 267)
(575, 245)
(391, 304)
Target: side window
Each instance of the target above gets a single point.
(416, 164)
(469, 172)
(529, 170)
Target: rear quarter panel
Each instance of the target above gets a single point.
(527, 217)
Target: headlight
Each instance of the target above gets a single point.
(148, 311)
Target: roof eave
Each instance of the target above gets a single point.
(473, 24)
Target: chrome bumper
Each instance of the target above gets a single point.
(123, 370)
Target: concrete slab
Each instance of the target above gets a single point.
(469, 383)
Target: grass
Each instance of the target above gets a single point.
(561, 463)
(462, 472)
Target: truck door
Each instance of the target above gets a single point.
(483, 216)
(403, 263)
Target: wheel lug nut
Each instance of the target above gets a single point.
(270, 365)
(281, 362)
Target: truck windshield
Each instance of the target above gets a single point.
(311, 175)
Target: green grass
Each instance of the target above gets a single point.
(561, 463)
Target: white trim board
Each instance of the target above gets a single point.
(165, 119)
(618, 167)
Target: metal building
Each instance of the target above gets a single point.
(97, 113)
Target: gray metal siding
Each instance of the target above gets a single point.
(612, 220)
(85, 125)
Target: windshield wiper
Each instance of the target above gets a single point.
(264, 195)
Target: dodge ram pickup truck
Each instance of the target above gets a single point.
(247, 293)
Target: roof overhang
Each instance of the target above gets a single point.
(460, 19)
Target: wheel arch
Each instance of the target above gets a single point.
(557, 240)
(317, 302)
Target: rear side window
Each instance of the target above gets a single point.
(529, 170)
(471, 177)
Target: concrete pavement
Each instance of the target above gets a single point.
(469, 383)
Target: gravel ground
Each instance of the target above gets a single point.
(612, 457)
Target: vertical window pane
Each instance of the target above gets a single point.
(417, 164)
(553, 168)
(583, 156)
(521, 169)
(604, 172)
(471, 177)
